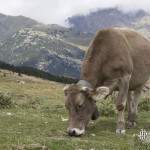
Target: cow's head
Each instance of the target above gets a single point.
(81, 104)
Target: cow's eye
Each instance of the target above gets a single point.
(80, 106)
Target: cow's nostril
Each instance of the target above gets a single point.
(72, 132)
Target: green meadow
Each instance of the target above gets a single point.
(33, 117)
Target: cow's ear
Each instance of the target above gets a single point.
(101, 93)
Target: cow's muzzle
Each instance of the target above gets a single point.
(76, 132)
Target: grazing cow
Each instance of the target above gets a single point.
(117, 59)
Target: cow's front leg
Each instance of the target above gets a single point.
(133, 98)
(121, 102)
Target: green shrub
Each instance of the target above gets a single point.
(107, 107)
(5, 100)
(144, 105)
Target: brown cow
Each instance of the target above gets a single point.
(117, 59)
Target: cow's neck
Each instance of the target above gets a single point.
(91, 73)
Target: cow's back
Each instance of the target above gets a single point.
(115, 52)
(140, 53)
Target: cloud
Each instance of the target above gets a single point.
(56, 11)
(9, 7)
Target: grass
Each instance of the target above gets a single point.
(35, 121)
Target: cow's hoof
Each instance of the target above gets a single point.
(131, 124)
(120, 131)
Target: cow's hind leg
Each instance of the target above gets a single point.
(133, 98)
(121, 103)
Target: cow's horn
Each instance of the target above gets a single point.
(66, 87)
(84, 88)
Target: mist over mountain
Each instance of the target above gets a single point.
(105, 18)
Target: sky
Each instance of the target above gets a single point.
(57, 11)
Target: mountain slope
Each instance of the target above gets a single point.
(10, 24)
(29, 47)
